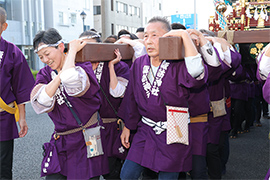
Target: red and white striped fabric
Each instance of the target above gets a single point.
(177, 125)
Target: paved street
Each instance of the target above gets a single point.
(249, 157)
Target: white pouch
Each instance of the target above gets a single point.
(93, 142)
(218, 108)
(177, 125)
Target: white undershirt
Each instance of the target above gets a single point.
(151, 76)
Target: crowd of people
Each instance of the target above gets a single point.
(145, 118)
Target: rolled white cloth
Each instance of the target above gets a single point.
(158, 127)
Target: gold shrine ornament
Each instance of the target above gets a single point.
(256, 48)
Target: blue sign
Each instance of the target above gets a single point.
(186, 19)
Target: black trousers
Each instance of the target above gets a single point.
(249, 113)
(265, 107)
(6, 150)
(237, 115)
(224, 149)
(213, 161)
(199, 170)
(115, 165)
(258, 106)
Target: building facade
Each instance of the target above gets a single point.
(26, 17)
(110, 16)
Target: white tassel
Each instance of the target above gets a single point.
(262, 13)
(266, 15)
(256, 15)
(248, 12)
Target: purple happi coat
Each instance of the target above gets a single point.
(71, 148)
(171, 87)
(106, 111)
(237, 84)
(266, 90)
(199, 103)
(227, 72)
(266, 85)
(16, 83)
(217, 92)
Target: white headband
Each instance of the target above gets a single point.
(90, 37)
(48, 45)
(128, 35)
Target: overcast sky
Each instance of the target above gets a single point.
(204, 9)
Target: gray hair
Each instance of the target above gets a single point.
(3, 15)
(166, 24)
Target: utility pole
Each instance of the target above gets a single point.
(195, 15)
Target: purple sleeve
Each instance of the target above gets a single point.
(22, 80)
(214, 73)
(185, 79)
(236, 60)
(43, 76)
(239, 74)
(133, 115)
(122, 70)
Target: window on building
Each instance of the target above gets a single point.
(121, 7)
(138, 12)
(33, 28)
(86, 27)
(39, 26)
(26, 28)
(126, 9)
(130, 10)
(111, 5)
(97, 10)
(160, 6)
(2, 4)
(61, 17)
(135, 11)
(112, 28)
(117, 7)
(73, 18)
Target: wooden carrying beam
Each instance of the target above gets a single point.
(254, 36)
(171, 48)
(103, 52)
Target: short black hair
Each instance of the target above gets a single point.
(133, 36)
(123, 31)
(140, 29)
(50, 36)
(164, 20)
(178, 26)
(93, 29)
(110, 38)
(91, 33)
